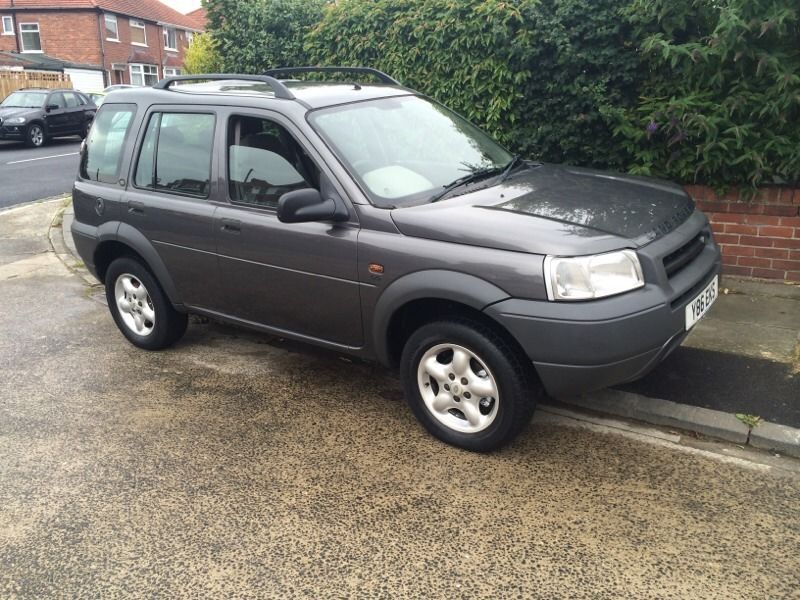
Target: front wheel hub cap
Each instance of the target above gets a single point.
(465, 407)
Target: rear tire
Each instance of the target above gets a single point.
(140, 308)
(467, 384)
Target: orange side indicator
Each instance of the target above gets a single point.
(375, 268)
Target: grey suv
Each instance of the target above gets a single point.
(370, 220)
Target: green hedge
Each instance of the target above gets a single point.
(539, 75)
(703, 91)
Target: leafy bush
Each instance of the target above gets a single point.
(254, 35)
(722, 102)
(202, 56)
(537, 74)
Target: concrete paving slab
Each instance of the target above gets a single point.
(780, 438)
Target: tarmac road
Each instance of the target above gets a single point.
(238, 466)
(28, 174)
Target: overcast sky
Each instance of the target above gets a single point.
(183, 6)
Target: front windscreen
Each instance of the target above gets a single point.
(24, 100)
(404, 150)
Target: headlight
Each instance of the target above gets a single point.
(15, 121)
(596, 276)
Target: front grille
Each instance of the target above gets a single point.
(677, 260)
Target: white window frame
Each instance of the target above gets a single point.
(166, 31)
(22, 38)
(171, 71)
(137, 24)
(140, 70)
(189, 38)
(8, 25)
(111, 18)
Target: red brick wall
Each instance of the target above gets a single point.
(759, 238)
(74, 36)
(68, 35)
(8, 43)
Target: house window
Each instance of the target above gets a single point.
(171, 72)
(138, 33)
(170, 38)
(144, 74)
(8, 26)
(31, 42)
(112, 33)
(189, 38)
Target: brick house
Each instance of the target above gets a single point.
(126, 41)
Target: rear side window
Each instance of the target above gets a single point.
(176, 154)
(102, 154)
(72, 100)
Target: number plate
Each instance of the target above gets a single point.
(702, 302)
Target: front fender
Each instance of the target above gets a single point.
(430, 284)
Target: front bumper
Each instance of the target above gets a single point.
(12, 132)
(578, 347)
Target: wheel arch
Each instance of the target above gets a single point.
(421, 297)
(131, 242)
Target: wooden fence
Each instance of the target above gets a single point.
(13, 80)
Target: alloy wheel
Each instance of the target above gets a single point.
(134, 304)
(458, 388)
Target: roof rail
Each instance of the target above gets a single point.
(281, 91)
(383, 77)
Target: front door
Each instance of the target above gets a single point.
(298, 278)
(57, 115)
(170, 198)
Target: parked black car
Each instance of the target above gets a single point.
(36, 115)
(373, 221)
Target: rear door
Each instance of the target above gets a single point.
(74, 112)
(170, 197)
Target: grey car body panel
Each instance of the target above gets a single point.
(551, 209)
(484, 249)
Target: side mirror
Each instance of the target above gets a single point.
(50, 107)
(306, 205)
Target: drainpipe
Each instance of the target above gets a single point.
(101, 33)
(17, 41)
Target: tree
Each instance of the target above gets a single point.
(254, 35)
(202, 56)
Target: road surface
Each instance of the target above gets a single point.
(32, 173)
(236, 465)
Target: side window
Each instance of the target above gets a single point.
(265, 162)
(71, 100)
(100, 160)
(57, 100)
(176, 154)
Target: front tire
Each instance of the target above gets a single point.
(467, 384)
(140, 308)
(34, 136)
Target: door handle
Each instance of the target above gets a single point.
(231, 225)
(135, 207)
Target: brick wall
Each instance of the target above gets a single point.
(74, 35)
(759, 238)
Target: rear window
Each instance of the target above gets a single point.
(176, 154)
(102, 155)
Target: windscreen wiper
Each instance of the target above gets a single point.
(466, 180)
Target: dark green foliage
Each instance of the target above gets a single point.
(694, 90)
(254, 35)
(536, 74)
(722, 103)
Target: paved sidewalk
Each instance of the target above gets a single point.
(741, 358)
